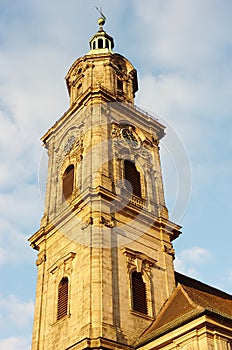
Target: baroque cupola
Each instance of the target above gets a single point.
(101, 42)
(101, 75)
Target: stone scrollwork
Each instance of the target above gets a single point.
(115, 132)
(126, 134)
(63, 265)
(69, 144)
(108, 222)
(145, 153)
(86, 223)
(139, 261)
(41, 258)
(105, 110)
(100, 219)
(169, 250)
(59, 158)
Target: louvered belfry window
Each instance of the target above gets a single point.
(133, 176)
(139, 295)
(62, 306)
(68, 180)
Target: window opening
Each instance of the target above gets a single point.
(100, 43)
(132, 175)
(68, 181)
(120, 84)
(62, 306)
(139, 295)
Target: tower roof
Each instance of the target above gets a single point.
(101, 42)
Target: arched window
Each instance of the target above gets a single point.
(139, 295)
(133, 176)
(100, 43)
(107, 44)
(62, 305)
(94, 45)
(68, 180)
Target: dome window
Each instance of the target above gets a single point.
(100, 43)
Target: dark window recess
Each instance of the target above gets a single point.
(62, 306)
(133, 176)
(68, 180)
(94, 45)
(139, 297)
(100, 43)
(107, 44)
(120, 84)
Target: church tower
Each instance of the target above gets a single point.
(105, 257)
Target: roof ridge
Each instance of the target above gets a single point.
(184, 290)
(197, 284)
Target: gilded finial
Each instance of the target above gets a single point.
(102, 19)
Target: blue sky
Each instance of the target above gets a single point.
(182, 50)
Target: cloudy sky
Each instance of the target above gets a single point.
(182, 50)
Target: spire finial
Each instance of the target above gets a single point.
(102, 19)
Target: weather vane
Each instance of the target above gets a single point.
(102, 19)
(101, 13)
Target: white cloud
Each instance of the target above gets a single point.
(187, 77)
(14, 248)
(227, 281)
(184, 34)
(190, 261)
(177, 92)
(14, 313)
(14, 343)
(195, 255)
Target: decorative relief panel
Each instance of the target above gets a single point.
(41, 258)
(169, 250)
(139, 261)
(72, 148)
(99, 219)
(126, 134)
(71, 142)
(130, 135)
(63, 266)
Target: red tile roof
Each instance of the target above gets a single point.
(207, 297)
(189, 300)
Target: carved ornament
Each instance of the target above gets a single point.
(169, 250)
(139, 261)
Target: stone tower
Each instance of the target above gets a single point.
(105, 257)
